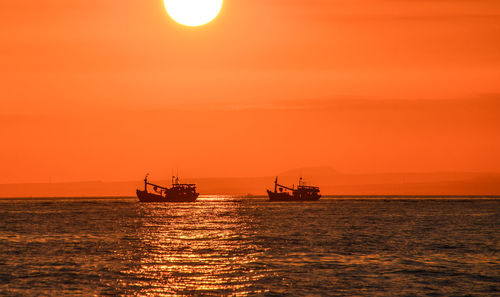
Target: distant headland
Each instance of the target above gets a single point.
(330, 181)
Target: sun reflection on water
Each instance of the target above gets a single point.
(223, 246)
(194, 248)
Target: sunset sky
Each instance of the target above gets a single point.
(110, 90)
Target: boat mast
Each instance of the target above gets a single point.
(275, 184)
(146, 182)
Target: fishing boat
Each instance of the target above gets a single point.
(176, 193)
(301, 193)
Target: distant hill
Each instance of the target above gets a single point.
(310, 172)
(330, 181)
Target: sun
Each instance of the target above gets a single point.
(193, 13)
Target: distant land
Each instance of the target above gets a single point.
(330, 181)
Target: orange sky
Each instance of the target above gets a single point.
(109, 90)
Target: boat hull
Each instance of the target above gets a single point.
(284, 196)
(173, 197)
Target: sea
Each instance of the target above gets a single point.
(235, 246)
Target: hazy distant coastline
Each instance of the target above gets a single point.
(332, 184)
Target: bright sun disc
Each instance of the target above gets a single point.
(193, 12)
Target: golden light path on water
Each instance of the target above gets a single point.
(222, 246)
(192, 248)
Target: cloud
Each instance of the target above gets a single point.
(484, 102)
(332, 10)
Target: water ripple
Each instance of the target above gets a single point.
(235, 246)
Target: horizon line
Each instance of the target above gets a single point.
(262, 176)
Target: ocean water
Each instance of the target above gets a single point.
(237, 246)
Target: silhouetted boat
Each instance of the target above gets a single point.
(301, 193)
(177, 193)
